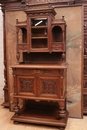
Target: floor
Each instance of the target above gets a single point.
(7, 124)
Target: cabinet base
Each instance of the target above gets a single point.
(5, 104)
(42, 117)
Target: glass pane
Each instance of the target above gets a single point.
(39, 22)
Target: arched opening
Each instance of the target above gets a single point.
(57, 34)
(22, 36)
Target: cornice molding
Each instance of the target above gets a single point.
(32, 5)
(8, 1)
(36, 2)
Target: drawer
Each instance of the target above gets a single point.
(46, 72)
(57, 46)
(22, 47)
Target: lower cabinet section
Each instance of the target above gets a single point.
(44, 94)
(44, 113)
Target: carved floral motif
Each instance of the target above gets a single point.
(49, 86)
(27, 85)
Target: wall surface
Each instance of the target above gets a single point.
(1, 56)
(74, 47)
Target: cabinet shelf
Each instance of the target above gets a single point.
(40, 116)
(38, 27)
(56, 42)
(39, 37)
(38, 98)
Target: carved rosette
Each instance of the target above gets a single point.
(49, 86)
(26, 85)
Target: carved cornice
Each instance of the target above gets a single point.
(8, 1)
(42, 5)
(39, 9)
(37, 2)
(34, 2)
(29, 5)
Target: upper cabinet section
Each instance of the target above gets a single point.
(58, 35)
(39, 30)
(21, 30)
(41, 33)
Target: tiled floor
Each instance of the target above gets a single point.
(7, 124)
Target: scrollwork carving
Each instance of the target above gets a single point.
(46, 71)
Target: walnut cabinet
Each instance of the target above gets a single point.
(41, 70)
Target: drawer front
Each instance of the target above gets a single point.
(22, 47)
(57, 46)
(45, 72)
(23, 71)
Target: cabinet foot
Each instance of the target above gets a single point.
(16, 122)
(61, 128)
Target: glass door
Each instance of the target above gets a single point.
(39, 34)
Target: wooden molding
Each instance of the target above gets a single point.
(37, 2)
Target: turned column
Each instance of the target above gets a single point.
(16, 108)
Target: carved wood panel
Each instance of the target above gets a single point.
(49, 86)
(26, 85)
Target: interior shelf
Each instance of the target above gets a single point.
(39, 37)
(38, 27)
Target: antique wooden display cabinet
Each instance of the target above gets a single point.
(41, 70)
(40, 75)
